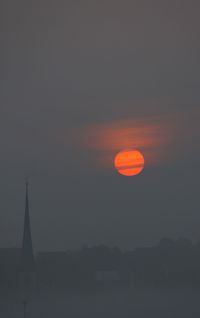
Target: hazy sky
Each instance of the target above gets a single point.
(79, 78)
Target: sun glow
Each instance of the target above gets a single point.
(154, 136)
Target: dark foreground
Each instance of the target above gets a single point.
(142, 303)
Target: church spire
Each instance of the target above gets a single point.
(27, 247)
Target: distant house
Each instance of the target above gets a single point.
(106, 264)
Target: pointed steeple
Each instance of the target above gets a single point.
(27, 264)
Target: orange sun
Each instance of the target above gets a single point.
(129, 162)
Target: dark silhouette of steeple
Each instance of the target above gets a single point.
(27, 261)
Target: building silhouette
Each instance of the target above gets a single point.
(27, 262)
(170, 262)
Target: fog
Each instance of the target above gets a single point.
(106, 304)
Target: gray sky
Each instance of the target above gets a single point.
(71, 70)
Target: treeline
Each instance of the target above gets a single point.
(168, 263)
